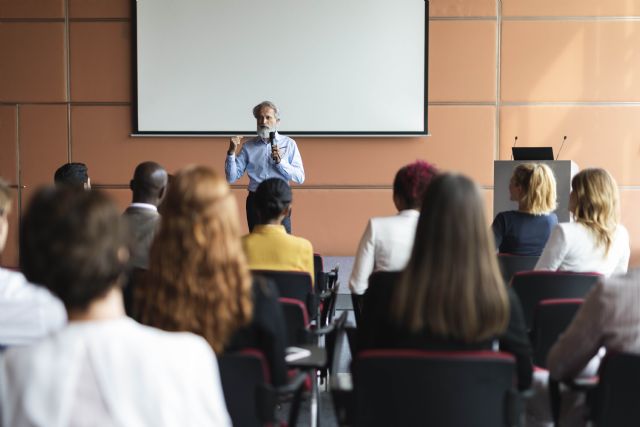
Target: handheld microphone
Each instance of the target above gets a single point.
(272, 140)
(515, 141)
(561, 145)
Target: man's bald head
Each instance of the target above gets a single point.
(149, 183)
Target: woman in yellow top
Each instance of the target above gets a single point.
(269, 247)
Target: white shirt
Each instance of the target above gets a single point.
(126, 373)
(573, 247)
(385, 246)
(27, 312)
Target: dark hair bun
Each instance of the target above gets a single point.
(273, 195)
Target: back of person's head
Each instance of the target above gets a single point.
(149, 183)
(5, 207)
(198, 277)
(594, 202)
(75, 175)
(452, 285)
(538, 186)
(73, 243)
(273, 196)
(411, 181)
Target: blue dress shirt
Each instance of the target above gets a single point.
(255, 158)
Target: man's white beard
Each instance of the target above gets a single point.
(263, 131)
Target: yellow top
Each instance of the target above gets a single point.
(269, 247)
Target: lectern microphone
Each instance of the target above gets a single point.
(515, 141)
(561, 145)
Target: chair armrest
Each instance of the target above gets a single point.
(268, 397)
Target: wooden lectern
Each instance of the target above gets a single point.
(563, 170)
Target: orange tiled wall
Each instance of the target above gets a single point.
(537, 69)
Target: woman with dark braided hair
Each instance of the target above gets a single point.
(387, 241)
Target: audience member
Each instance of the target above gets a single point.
(525, 231)
(148, 186)
(75, 175)
(103, 368)
(27, 312)
(451, 295)
(387, 241)
(596, 241)
(268, 246)
(609, 318)
(198, 278)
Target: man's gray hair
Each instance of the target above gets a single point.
(268, 104)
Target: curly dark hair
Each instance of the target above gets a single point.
(411, 181)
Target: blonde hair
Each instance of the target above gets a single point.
(198, 277)
(594, 203)
(539, 185)
(5, 197)
(452, 285)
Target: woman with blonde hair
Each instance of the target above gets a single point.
(451, 295)
(198, 279)
(525, 231)
(595, 241)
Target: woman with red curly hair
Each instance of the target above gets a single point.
(387, 241)
(198, 278)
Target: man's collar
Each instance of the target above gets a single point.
(148, 206)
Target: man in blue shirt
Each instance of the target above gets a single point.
(269, 155)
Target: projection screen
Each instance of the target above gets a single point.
(333, 67)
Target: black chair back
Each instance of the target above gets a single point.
(297, 321)
(318, 270)
(245, 378)
(615, 400)
(293, 284)
(550, 319)
(512, 264)
(417, 388)
(535, 286)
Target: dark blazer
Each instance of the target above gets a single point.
(377, 330)
(267, 331)
(143, 224)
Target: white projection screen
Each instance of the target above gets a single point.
(333, 67)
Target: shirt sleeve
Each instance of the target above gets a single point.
(498, 227)
(554, 251)
(364, 262)
(581, 341)
(234, 166)
(291, 165)
(623, 262)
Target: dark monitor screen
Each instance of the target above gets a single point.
(532, 153)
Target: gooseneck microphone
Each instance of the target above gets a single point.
(561, 145)
(515, 141)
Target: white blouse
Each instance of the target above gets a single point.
(573, 247)
(112, 373)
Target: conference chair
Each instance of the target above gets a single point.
(250, 397)
(375, 304)
(535, 286)
(551, 318)
(614, 401)
(293, 284)
(417, 388)
(512, 264)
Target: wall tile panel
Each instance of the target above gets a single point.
(9, 144)
(100, 61)
(16, 9)
(43, 142)
(462, 139)
(462, 8)
(570, 8)
(33, 64)
(570, 61)
(100, 138)
(602, 136)
(99, 9)
(462, 61)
